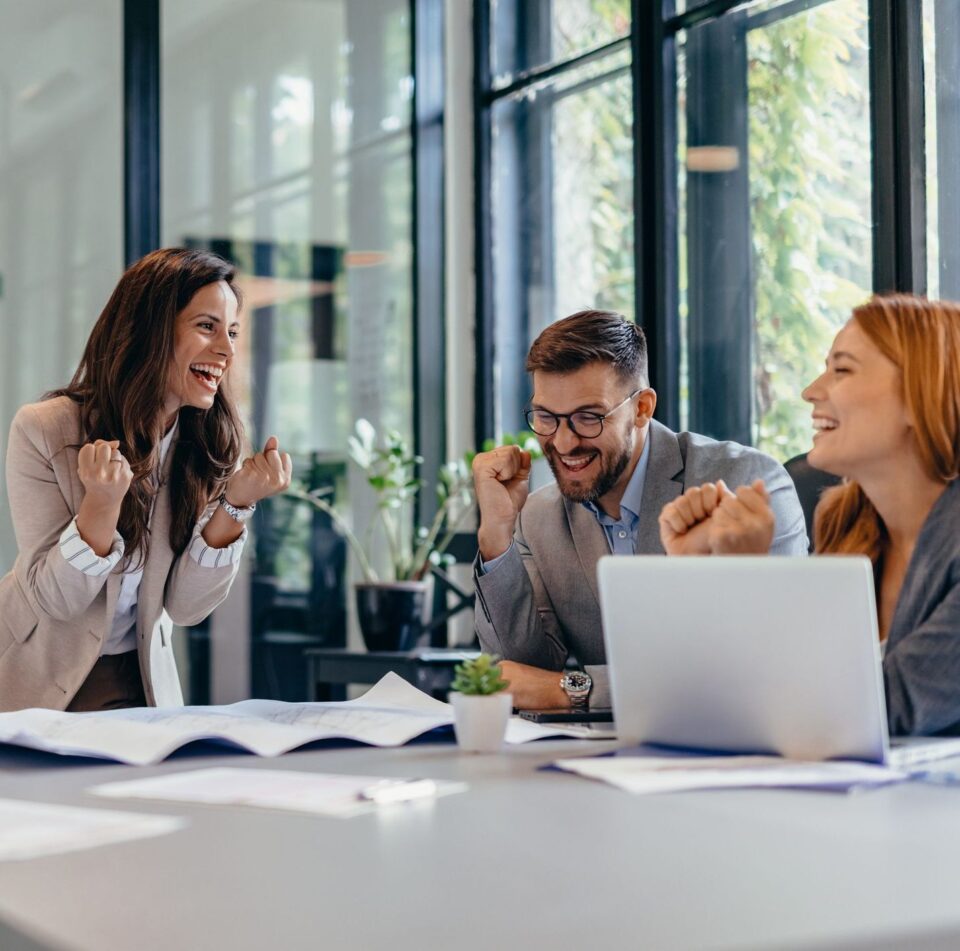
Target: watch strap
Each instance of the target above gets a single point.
(236, 512)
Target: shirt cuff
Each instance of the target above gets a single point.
(79, 554)
(208, 557)
(487, 566)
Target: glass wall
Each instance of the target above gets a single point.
(61, 204)
(286, 132)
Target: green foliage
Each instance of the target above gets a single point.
(391, 470)
(479, 677)
(809, 155)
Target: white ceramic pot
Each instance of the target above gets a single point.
(481, 722)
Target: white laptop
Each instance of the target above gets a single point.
(751, 654)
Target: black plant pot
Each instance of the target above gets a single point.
(394, 615)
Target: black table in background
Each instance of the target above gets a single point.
(430, 669)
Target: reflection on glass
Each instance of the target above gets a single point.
(941, 46)
(287, 148)
(61, 200)
(775, 210)
(562, 211)
(529, 33)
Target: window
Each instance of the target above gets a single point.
(561, 175)
(61, 204)
(735, 176)
(941, 47)
(775, 211)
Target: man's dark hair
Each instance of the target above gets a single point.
(592, 336)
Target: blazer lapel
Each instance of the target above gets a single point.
(159, 556)
(663, 483)
(589, 540)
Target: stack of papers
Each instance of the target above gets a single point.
(391, 713)
(321, 794)
(31, 829)
(656, 774)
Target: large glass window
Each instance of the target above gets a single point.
(562, 181)
(61, 204)
(773, 118)
(941, 35)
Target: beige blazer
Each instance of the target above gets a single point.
(53, 617)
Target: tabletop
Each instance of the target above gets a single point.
(525, 858)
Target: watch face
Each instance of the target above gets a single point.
(577, 681)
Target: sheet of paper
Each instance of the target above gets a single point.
(656, 774)
(391, 713)
(316, 793)
(32, 829)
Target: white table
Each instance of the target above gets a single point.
(524, 859)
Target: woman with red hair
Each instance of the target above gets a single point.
(886, 416)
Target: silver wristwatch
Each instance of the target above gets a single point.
(235, 512)
(577, 685)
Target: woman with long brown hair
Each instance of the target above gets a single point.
(886, 416)
(127, 499)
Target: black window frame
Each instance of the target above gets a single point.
(898, 182)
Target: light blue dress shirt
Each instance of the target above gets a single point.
(621, 532)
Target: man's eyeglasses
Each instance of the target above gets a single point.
(584, 425)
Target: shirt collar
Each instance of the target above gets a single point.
(633, 493)
(166, 441)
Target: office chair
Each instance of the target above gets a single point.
(809, 483)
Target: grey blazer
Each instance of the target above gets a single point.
(53, 617)
(921, 663)
(541, 603)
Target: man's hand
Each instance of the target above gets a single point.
(685, 522)
(743, 523)
(262, 475)
(501, 478)
(534, 688)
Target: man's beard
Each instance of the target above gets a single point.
(611, 468)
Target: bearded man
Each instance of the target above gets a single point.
(616, 468)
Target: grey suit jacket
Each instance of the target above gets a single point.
(921, 664)
(542, 604)
(53, 617)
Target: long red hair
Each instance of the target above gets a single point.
(922, 338)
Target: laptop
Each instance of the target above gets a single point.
(751, 655)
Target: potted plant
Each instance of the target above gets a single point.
(394, 605)
(481, 707)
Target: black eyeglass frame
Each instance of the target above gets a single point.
(529, 414)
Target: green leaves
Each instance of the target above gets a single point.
(479, 677)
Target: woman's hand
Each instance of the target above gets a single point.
(743, 522)
(685, 522)
(105, 473)
(260, 476)
(106, 476)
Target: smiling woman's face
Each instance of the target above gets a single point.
(860, 420)
(203, 347)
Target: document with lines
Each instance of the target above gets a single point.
(391, 713)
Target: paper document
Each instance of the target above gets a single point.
(317, 793)
(657, 774)
(31, 829)
(390, 713)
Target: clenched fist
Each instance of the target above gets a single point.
(501, 478)
(711, 520)
(105, 473)
(262, 475)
